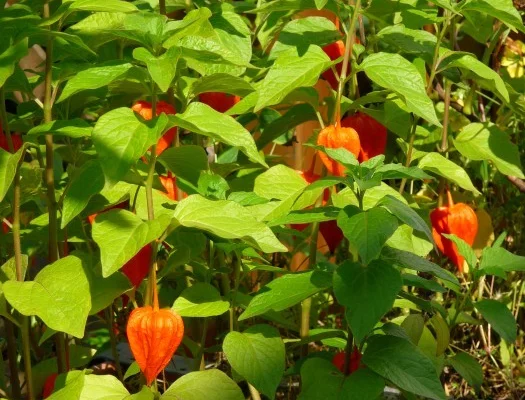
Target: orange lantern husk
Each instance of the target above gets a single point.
(220, 102)
(372, 135)
(144, 109)
(457, 219)
(154, 335)
(338, 137)
(334, 51)
(355, 361)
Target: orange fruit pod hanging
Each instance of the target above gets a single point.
(355, 361)
(144, 109)
(456, 219)
(334, 51)
(154, 335)
(219, 101)
(372, 135)
(335, 137)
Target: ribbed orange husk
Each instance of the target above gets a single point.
(460, 220)
(170, 185)
(143, 108)
(154, 335)
(334, 51)
(334, 138)
(220, 102)
(372, 135)
(355, 361)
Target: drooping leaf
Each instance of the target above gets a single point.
(499, 317)
(200, 300)
(212, 384)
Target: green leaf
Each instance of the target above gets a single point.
(406, 214)
(223, 83)
(59, 295)
(210, 385)
(304, 32)
(200, 300)
(368, 230)
(258, 355)
(464, 249)
(185, 162)
(291, 70)
(322, 380)
(398, 171)
(73, 128)
(472, 66)
(287, 291)
(409, 260)
(367, 292)
(8, 165)
(228, 220)
(442, 333)
(402, 363)
(436, 163)
(162, 69)
(278, 182)
(94, 78)
(10, 57)
(87, 181)
(499, 317)
(204, 120)
(195, 22)
(68, 386)
(105, 290)
(503, 10)
(394, 72)
(121, 137)
(497, 258)
(102, 6)
(469, 368)
(479, 141)
(120, 234)
(320, 214)
(413, 325)
(105, 387)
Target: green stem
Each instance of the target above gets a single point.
(162, 7)
(199, 359)
(436, 58)
(348, 351)
(113, 339)
(12, 356)
(444, 136)
(350, 40)
(462, 305)
(254, 393)
(26, 349)
(409, 152)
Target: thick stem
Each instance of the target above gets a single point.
(444, 136)
(12, 357)
(254, 393)
(350, 40)
(199, 364)
(348, 352)
(113, 339)
(162, 7)
(26, 348)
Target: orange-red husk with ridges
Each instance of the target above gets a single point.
(143, 108)
(49, 385)
(457, 219)
(137, 268)
(336, 137)
(220, 102)
(372, 135)
(334, 51)
(4, 144)
(355, 361)
(154, 335)
(332, 234)
(123, 205)
(170, 186)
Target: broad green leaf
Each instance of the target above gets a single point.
(394, 72)
(402, 363)
(105, 290)
(59, 295)
(8, 270)
(417, 281)
(504, 10)
(87, 181)
(286, 291)
(223, 83)
(10, 57)
(398, 171)
(436, 163)
(258, 355)
(472, 66)
(210, 385)
(413, 325)
(406, 214)
(121, 137)
(120, 234)
(366, 292)
(499, 317)
(409, 260)
(102, 6)
(291, 70)
(185, 162)
(322, 380)
(204, 120)
(195, 22)
(228, 220)
(279, 182)
(97, 29)
(200, 300)
(497, 258)
(479, 141)
(441, 332)
(304, 32)
(469, 368)
(464, 249)
(161, 69)
(320, 214)
(94, 78)
(368, 230)
(8, 165)
(105, 387)
(144, 394)
(68, 386)
(74, 128)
